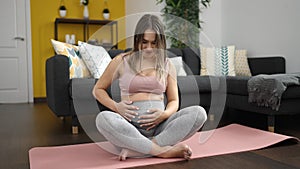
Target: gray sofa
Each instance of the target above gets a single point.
(193, 89)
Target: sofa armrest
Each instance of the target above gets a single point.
(57, 84)
(267, 65)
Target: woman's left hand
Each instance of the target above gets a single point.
(152, 119)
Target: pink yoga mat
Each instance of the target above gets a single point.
(229, 139)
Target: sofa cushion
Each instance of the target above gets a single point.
(241, 63)
(218, 61)
(178, 64)
(114, 52)
(191, 58)
(267, 65)
(84, 82)
(237, 85)
(77, 67)
(207, 83)
(292, 92)
(174, 52)
(96, 58)
(175, 56)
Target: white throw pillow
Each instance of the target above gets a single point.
(96, 58)
(218, 61)
(178, 64)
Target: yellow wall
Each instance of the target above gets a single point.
(43, 14)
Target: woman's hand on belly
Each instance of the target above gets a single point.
(126, 110)
(152, 119)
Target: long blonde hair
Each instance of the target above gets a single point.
(149, 22)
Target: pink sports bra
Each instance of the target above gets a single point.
(131, 82)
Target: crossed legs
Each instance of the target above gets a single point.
(180, 126)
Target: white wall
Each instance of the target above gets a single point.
(211, 17)
(134, 10)
(263, 27)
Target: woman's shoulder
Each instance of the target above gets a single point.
(119, 61)
(121, 57)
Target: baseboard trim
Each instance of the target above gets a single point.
(39, 100)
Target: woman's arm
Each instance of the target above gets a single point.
(171, 92)
(111, 73)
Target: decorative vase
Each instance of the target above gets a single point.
(105, 13)
(86, 12)
(106, 16)
(62, 13)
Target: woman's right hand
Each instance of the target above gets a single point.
(125, 109)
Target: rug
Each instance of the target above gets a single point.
(229, 139)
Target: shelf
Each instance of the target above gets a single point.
(86, 23)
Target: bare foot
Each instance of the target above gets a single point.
(129, 153)
(180, 150)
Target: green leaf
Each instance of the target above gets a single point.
(182, 34)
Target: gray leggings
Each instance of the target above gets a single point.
(123, 134)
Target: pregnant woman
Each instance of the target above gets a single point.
(144, 123)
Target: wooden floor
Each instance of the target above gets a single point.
(24, 126)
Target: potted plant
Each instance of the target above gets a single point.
(182, 21)
(105, 13)
(62, 9)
